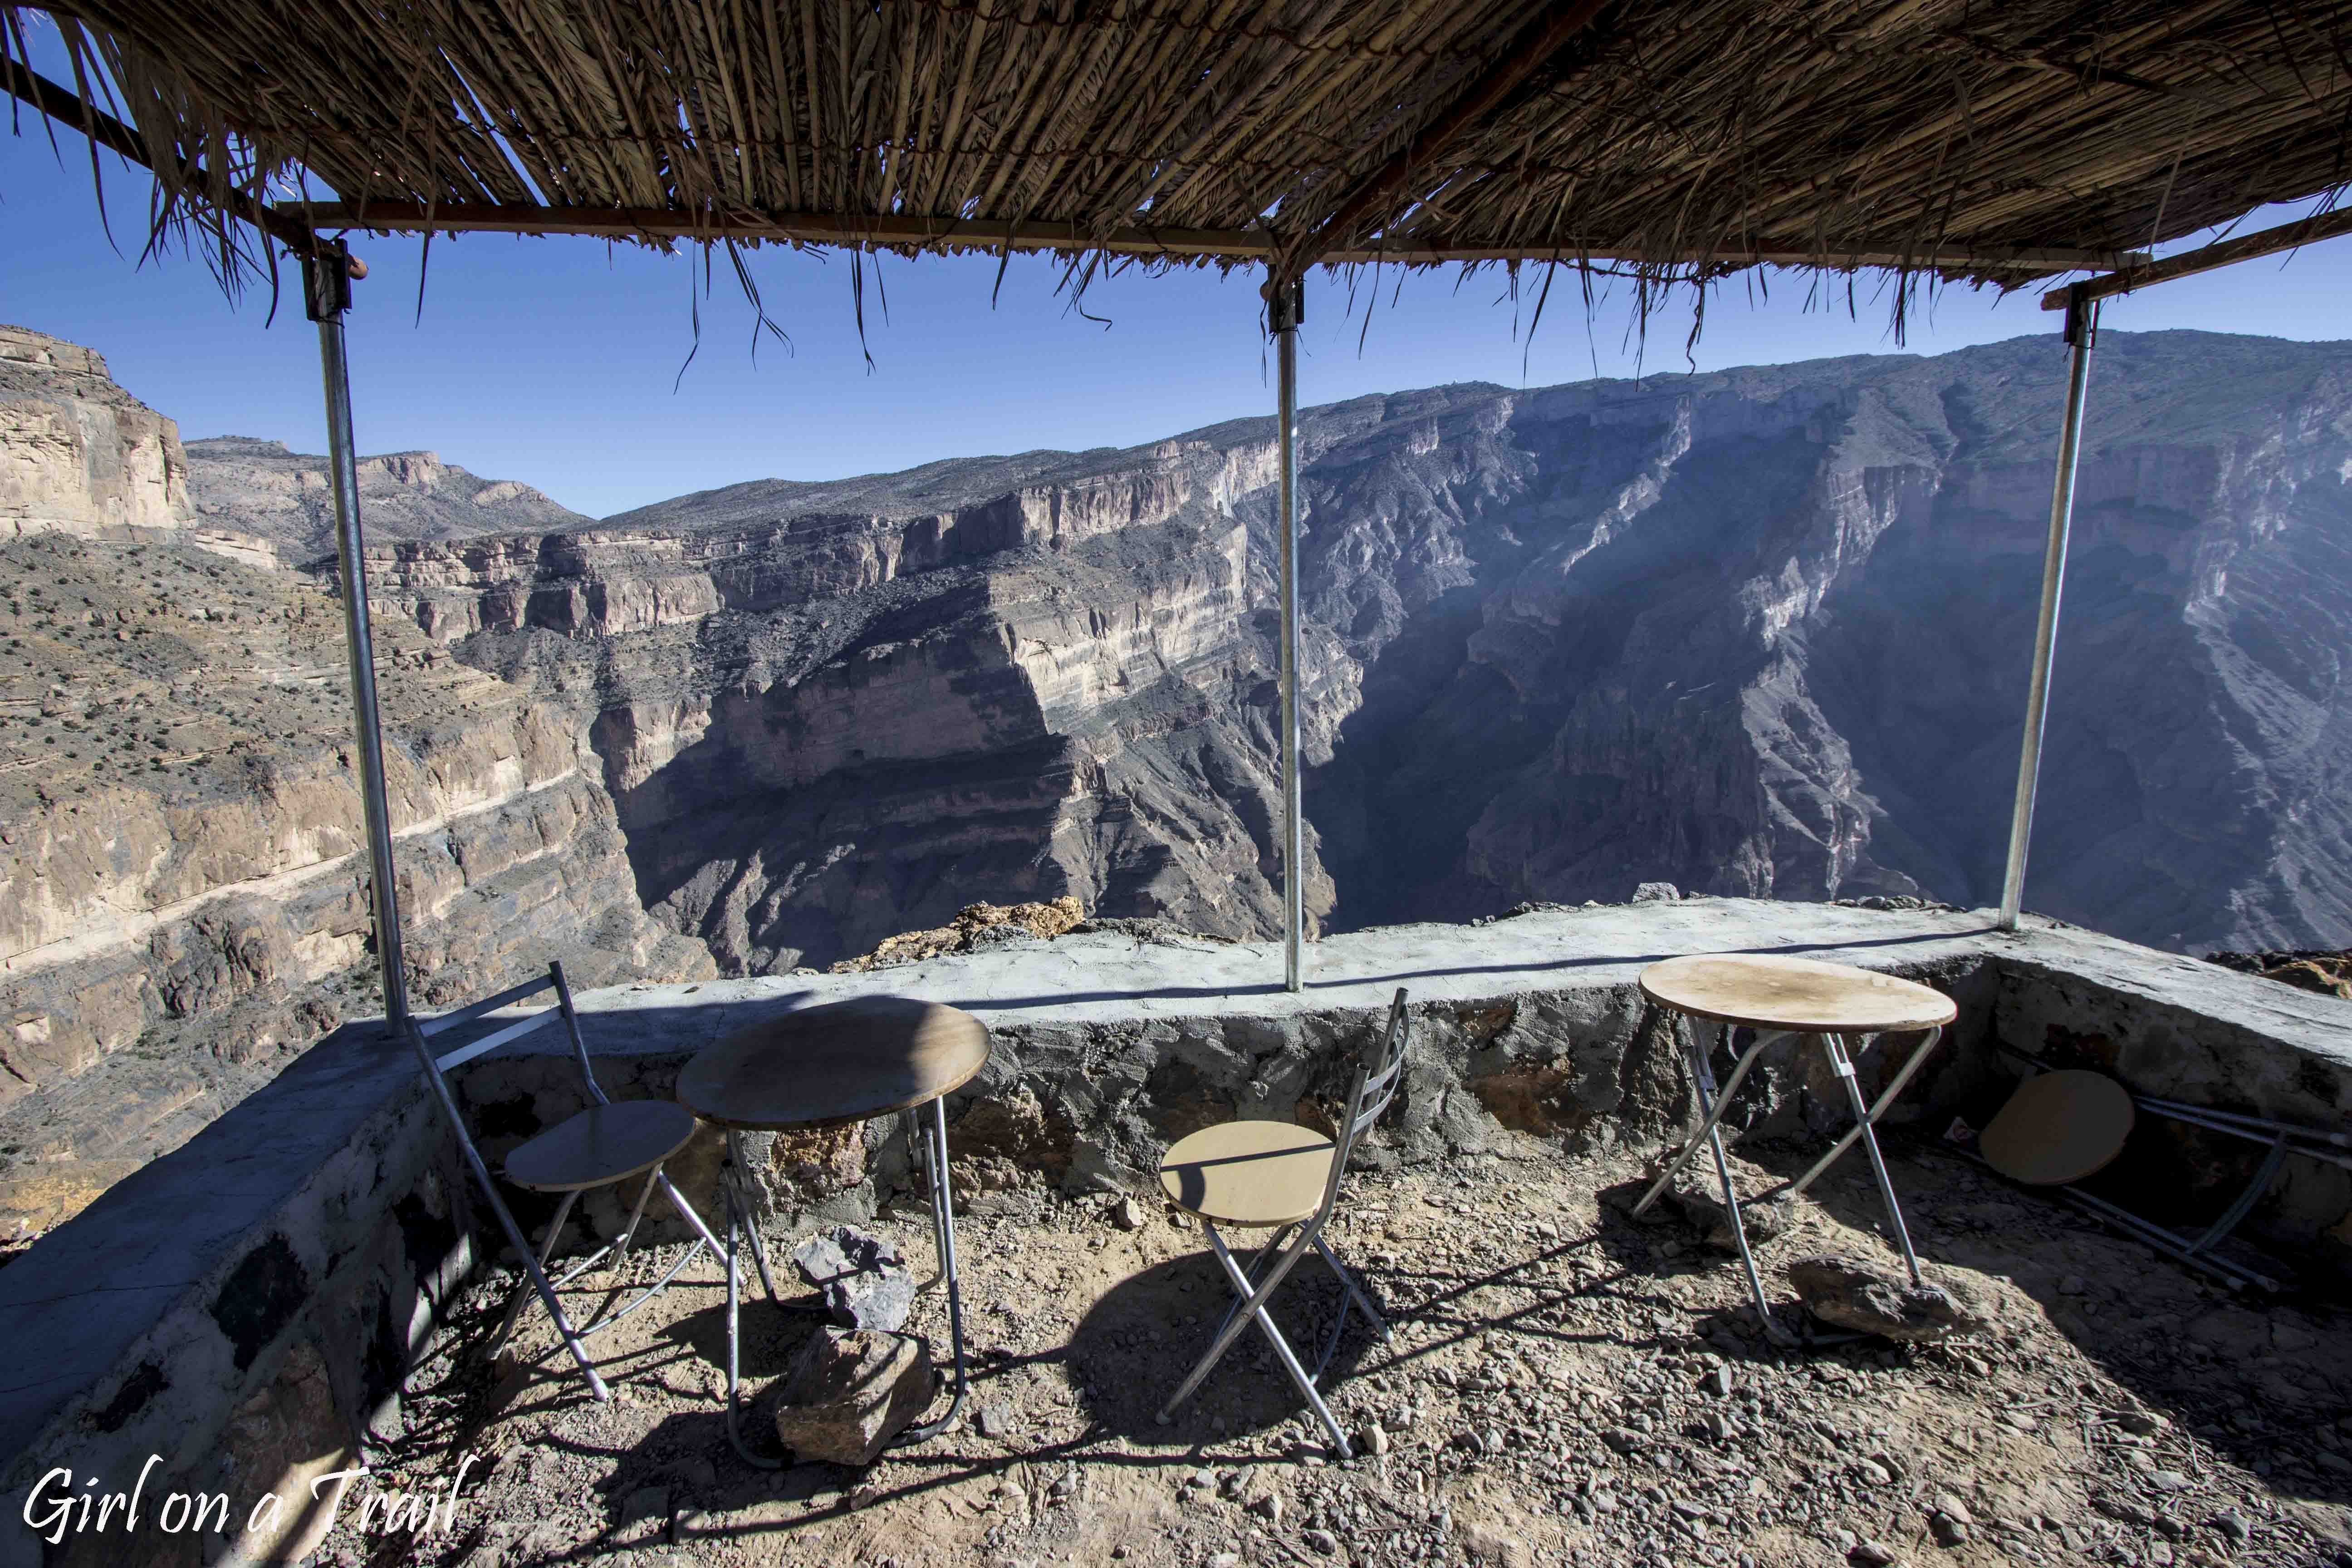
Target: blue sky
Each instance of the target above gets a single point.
(557, 362)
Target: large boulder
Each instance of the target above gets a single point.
(849, 1392)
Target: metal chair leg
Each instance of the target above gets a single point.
(1282, 1351)
(514, 1236)
(1355, 1292)
(522, 1292)
(620, 1251)
(1262, 1261)
(1236, 1320)
(637, 1213)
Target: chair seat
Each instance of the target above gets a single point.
(603, 1143)
(1249, 1172)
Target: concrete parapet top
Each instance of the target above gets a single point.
(1101, 978)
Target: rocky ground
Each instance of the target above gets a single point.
(1566, 1385)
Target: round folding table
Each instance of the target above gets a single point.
(831, 1066)
(1777, 997)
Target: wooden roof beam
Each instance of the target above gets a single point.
(1172, 244)
(2204, 258)
(804, 228)
(66, 107)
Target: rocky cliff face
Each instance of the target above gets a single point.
(822, 729)
(182, 858)
(77, 454)
(1766, 632)
(1763, 631)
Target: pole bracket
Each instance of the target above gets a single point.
(2082, 319)
(1285, 304)
(327, 275)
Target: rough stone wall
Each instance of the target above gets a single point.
(299, 1303)
(2184, 1174)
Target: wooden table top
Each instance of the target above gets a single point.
(826, 1067)
(1765, 992)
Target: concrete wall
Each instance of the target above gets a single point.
(242, 1309)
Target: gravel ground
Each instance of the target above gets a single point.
(1566, 1385)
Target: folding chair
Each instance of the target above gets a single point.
(1256, 1174)
(608, 1143)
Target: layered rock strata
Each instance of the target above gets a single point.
(77, 454)
(264, 489)
(182, 857)
(822, 730)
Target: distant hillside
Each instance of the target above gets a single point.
(263, 488)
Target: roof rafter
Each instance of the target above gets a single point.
(1521, 60)
(1244, 244)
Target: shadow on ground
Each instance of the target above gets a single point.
(1142, 1337)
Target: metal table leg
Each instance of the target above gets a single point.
(1711, 1106)
(934, 1160)
(738, 1224)
(1917, 1058)
(1864, 1116)
(1713, 1114)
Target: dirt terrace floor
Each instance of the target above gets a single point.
(1566, 1385)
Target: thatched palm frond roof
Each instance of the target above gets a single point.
(1993, 142)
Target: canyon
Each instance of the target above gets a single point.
(1758, 632)
(1761, 632)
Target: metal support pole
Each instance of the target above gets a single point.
(2082, 330)
(327, 293)
(1286, 305)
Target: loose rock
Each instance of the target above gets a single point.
(863, 1279)
(1851, 1295)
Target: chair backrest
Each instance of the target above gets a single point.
(1368, 1097)
(425, 1029)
